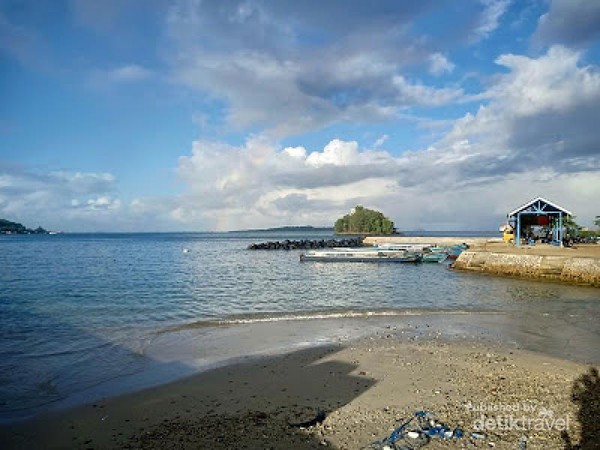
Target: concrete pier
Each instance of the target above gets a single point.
(443, 241)
(568, 269)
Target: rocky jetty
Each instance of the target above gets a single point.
(307, 244)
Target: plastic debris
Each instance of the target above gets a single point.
(476, 435)
(417, 432)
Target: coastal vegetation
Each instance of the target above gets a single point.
(573, 229)
(362, 220)
(8, 227)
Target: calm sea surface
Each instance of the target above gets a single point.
(86, 315)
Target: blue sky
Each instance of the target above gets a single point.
(138, 115)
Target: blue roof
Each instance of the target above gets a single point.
(544, 205)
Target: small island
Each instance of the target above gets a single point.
(362, 220)
(8, 227)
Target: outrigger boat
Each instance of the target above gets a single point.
(360, 255)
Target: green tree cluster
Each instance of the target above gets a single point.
(364, 220)
(6, 226)
(572, 227)
(13, 227)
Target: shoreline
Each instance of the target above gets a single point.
(365, 386)
(194, 348)
(175, 354)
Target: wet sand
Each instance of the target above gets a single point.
(366, 387)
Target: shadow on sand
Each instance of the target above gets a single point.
(586, 395)
(251, 404)
(263, 406)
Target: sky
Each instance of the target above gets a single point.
(207, 115)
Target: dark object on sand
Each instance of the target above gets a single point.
(320, 417)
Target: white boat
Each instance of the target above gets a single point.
(360, 255)
(411, 247)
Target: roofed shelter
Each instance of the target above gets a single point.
(540, 212)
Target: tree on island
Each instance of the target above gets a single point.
(8, 227)
(364, 220)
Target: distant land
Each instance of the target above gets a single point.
(286, 228)
(8, 227)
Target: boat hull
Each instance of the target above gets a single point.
(435, 257)
(407, 259)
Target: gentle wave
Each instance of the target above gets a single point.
(318, 315)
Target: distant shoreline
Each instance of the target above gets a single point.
(285, 228)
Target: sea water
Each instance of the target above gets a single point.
(89, 315)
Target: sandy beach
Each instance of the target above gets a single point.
(366, 388)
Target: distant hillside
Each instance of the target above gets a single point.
(286, 228)
(8, 227)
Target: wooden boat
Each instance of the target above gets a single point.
(361, 255)
(455, 250)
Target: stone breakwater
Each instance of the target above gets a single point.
(568, 269)
(307, 244)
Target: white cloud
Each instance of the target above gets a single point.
(102, 203)
(419, 94)
(337, 153)
(380, 141)
(264, 68)
(290, 96)
(55, 199)
(295, 152)
(536, 135)
(490, 18)
(439, 64)
(127, 73)
(258, 185)
(553, 82)
(255, 184)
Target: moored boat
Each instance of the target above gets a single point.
(410, 247)
(361, 255)
(437, 257)
(455, 250)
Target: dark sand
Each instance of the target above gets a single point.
(365, 387)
